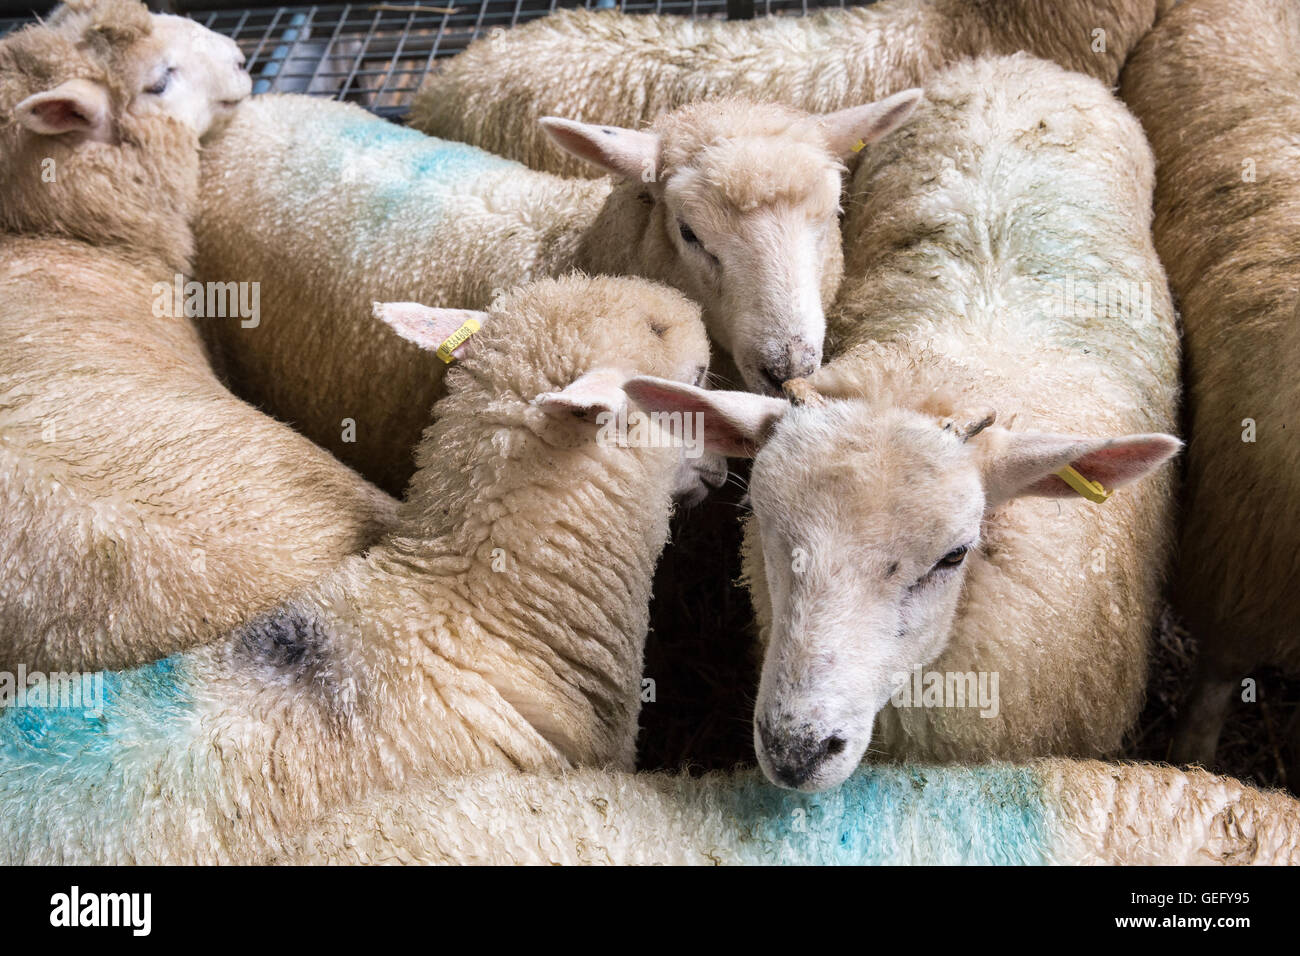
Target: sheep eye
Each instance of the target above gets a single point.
(954, 557)
(160, 86)
(691, 239)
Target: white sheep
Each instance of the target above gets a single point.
(145, 508)
(628, 69)
(1223, 77)
(500, 625)
(1059, 812)
(998, 262)
(329, 208)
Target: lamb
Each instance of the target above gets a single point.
(145, 508)
(1224, 77)
(999, 267)
(1046, 812)
(732, 203)
(629, 69)
(500, 625)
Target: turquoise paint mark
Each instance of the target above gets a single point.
(991, 815)
(140, 706)
(393, 171)
(411, 152)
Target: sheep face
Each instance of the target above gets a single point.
(186, 71)
(866, 518)
(139, 66)
(764, 261)
(865, 521)
(737, 205)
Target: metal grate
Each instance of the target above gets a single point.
(377, 54)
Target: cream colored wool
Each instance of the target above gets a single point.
(1051, 812)
(625, 69)
(1014, 177)
(145, 508)
(329, 208)
(500, 625)
(1217, 87)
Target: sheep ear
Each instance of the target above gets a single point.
(1026, 463)
(734, 423)
(851, 129)
(594, 393)
(77, 106)
(623, 152)
(429, 328)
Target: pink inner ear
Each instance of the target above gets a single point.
(719, 434)
(658, 397)
(576, 143)
(62, 115)
(588, 396)
(426, 327)
(613, 148)
(1120, 463)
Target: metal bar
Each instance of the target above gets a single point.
(329, 54)
(365, 45)
(324, 53)
(278, 55)
(478, 23)
(397, 55)
(239, 27)
(437, 42)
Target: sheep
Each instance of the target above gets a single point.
(1223, 77)
(348, 208)
(500, 624)
(629, 69)
(1046, 812)
(145, 508)
(896, 534)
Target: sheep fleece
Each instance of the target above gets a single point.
(501, 624)
(145, 507)
(1218, 89)
(1014, 178)
(349, 209)
(608, 67)
(1050, 812)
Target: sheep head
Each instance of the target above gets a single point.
(867, 517)
(144, 64)
(100, 114)
(738, 206)
(567, 346)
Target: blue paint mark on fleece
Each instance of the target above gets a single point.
(140, 706)
(393, 170)
(413, 153)
(983, 815)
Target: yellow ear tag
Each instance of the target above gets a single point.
(456, 340)
(861, 145)
(1092, 490)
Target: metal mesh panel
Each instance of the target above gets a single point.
(377, 54)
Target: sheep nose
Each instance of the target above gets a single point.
(797, 360)
(794, 759)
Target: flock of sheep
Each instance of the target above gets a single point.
(932, 250)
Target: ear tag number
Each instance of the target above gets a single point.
(456, 340)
